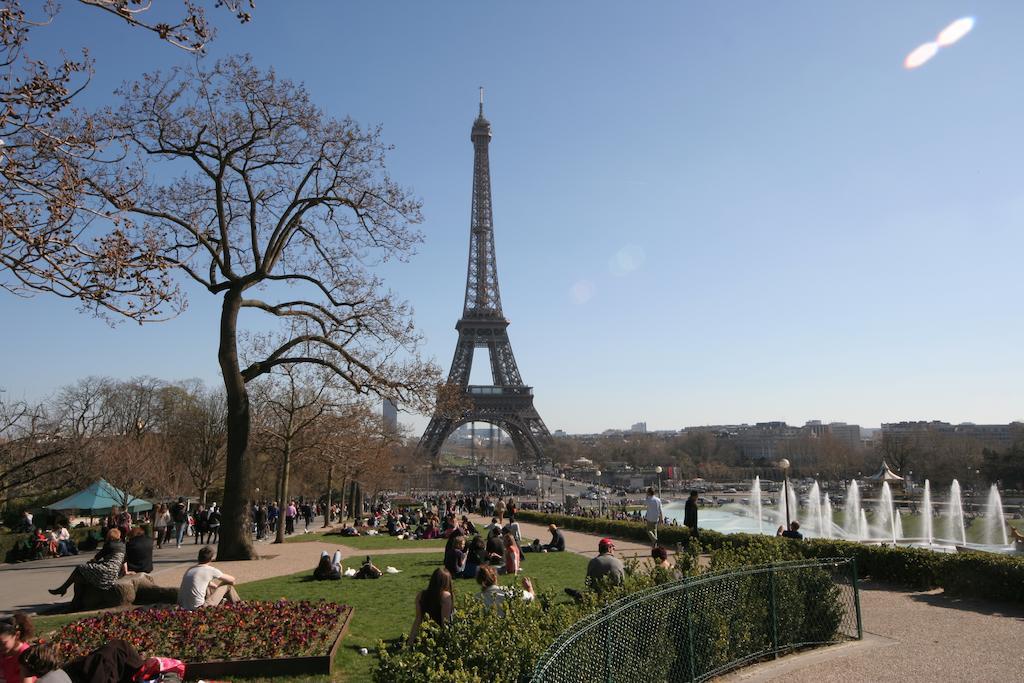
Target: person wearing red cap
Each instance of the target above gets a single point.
(605, 565)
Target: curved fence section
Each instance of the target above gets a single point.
(703, 626)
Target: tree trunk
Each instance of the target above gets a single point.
(235, 530)
(327, 507)
(341, 504)
(202, 496)
(285, 472)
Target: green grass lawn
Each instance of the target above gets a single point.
(365, 542)
(384, 608)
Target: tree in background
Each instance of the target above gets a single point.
(289, 405)
(193, 421)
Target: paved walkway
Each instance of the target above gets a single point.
(913, 636)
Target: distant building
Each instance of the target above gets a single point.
(390, 414)
(639, 428)
(997, 436)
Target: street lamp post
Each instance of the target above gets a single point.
(563, 493)
(784, 464)
(599, 494)
(658, 470)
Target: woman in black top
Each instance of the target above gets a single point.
(138, 553)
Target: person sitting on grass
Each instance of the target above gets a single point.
(492, 594)
(102, 571)
(476, 557)
(206, 586)
(329, 568)
(495, 546)
(15, 634)
(557, 544)
(602, 570)
(512, 555)
(435, 603)
(455, 556)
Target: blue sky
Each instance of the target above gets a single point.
(705, 212)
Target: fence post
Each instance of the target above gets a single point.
(771, 609)
(856, 598)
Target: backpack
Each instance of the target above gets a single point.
(178, 514)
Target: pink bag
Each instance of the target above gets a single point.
(155, 667)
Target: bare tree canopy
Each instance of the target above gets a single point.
(274, 207)
(45, 244)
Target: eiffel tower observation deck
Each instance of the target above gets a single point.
(507, 403)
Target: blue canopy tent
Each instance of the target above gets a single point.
(97, 499)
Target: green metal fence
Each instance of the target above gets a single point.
(703, 626)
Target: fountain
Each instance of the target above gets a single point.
(926, 514)
(886, 523)
(827, 512)
(995, 525)
(852, 513)
(755, 504)
(813, 518)
(780, 513)
(941, 527)
(955, 529)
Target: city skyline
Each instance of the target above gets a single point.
(701, 216)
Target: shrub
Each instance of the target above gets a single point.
(971, 574)
(729, 620)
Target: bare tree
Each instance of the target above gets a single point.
(32, 453)
(46, 244)
(290, 402)
(193, 420)
(271, 192)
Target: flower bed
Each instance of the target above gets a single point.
(233, 634)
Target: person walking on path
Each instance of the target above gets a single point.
(499, 511)
(690, 514)
(213, 524)
(206, 586)
(290, 514)
(179, 515)
(162, 523)
(654, 515)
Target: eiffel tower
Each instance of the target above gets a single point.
(507, 403)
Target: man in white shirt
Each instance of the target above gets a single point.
(654, 515)
(206, 586)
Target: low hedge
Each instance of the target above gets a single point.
(971, 574)
(729, 622)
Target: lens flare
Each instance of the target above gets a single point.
(581, 292)
(921, 55)
(955, 31)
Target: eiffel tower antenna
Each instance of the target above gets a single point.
(507, 403)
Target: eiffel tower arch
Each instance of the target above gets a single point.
(507, 402)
